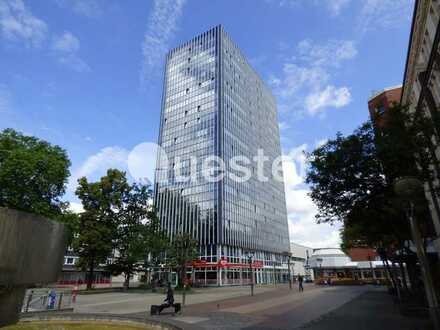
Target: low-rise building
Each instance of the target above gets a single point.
(299, 261)
(333, 263)
(380, 103)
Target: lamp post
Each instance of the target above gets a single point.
(288, 254)
(411, 189)
(319, 261)
(250, 256)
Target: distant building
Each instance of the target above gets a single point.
(299, 261)
(380, 102)
(362, 254)
(334, 263)
(72, 276)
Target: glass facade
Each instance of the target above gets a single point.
(215, 104)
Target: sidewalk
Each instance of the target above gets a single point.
(372, 310)
(317, 308)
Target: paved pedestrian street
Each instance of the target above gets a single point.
(317, 308)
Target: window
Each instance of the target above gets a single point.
(198, 108)
(380, 110)
(184, 125)
(187, 90)
(69, 261)
(198, 119)
(186, 112)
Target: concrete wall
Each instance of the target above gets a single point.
(31, 252)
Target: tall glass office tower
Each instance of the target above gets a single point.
(215, 104)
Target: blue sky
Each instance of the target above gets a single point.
(87, 74)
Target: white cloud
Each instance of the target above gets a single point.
(328, 97)
(304, 87)
(320, 143)
(139, 164)
(87, 8)
(76, 207)
(331, 53)
(304, 230)
(333, 6)
(97, 165)
(66, 43)
(384, 14)
(18, 23)
(66, 48)
(161, 26)
(301, 210)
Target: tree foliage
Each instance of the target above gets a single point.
(351, 179)
(138, 236)
(182, 251)
(33, 174)
(119, 224)
(345, 172)
(97, 230)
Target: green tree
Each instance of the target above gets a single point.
(157, 247)
(345, 172)
(351, 182)
(98, 224)
(134, 235)
(183, 250)
(33, 174)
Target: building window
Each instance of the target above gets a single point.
(187, 90)
(380, 110)
(69, 261)
(198, 108)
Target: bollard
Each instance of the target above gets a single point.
(60, 301)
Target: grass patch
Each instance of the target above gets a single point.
(77, 325)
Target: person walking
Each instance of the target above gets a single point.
(300, 283)
(169, 300)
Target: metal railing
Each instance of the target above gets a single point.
(37, 300)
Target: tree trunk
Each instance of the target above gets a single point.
(184, 285)
(126, 281)
(90, 275)
(390, 273)
(404, 279)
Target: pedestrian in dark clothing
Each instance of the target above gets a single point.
(300, 283)
(169, 300)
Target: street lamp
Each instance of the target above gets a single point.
(288, 254)
(319, 262)
(250, 256)
(411, 189)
